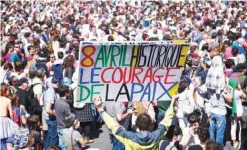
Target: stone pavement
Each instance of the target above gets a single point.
(101, 139)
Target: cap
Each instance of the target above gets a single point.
(54, 80)
(22, 80)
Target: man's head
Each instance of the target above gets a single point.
(174, 133)
(63, 90)
(230, 63)
(60, 55)
(23, 83)
(203, 134)
(194, 119)
(144, 122)
(54, 82)
(40, 73)
(212, 145)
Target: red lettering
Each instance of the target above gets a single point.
(127, 77)
(158, 76)
(102, 75)
(149, 75)
(114, 75)
(135, 74)
(168, 75)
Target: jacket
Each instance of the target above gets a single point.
(143, 140)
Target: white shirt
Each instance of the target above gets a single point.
(237, 96)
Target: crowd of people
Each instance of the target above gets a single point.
(39, 68)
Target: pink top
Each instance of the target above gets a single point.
(228, 52)
(5, 106)
(230, 74)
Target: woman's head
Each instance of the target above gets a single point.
(69, 61)
(33, 122)
(4, 89)
(174, 133)
(13, 81)
(14, 99)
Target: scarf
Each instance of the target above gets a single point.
(233, 82)
(215, 79)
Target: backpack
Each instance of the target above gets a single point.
(21, 138)
(16, 117)
(34, 107)
(58, 71)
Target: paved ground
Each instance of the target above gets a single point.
(101, 139)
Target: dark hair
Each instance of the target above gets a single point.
(228, 43)
(4, 88)
(194, 117)
(69, 120)
(8, 46)
(203, 134)
(11, 79)
(110, 38)
(40, 73)
(205, 46)
(60, 55)
(144, 122)
(69, 61)
(212, 145)
(229, 63)
(8, 66)
(53, 147)
(182, 85)
(32, 122)
(63, 90)
(32, 73)
(18, 66)
(14, 99)
(173, 131)
(234, 51)
(29, 47)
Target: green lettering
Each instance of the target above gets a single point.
(113, 62)
(87, 90)
(124, 49)
(101, 56)
(92, 90)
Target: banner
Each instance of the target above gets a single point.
(130, 71)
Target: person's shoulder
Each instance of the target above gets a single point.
(195, 147)
(5, 99)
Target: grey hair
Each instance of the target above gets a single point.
(69, 120)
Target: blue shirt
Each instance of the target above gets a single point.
(14, 58)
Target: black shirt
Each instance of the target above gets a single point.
(23, 98)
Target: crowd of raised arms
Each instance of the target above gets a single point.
(39, 70)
